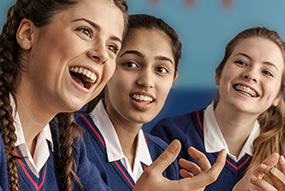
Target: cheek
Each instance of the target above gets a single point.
(163, 91)
(108, 72)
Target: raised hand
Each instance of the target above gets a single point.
(277, 177)
(152, 179)
(253, 181)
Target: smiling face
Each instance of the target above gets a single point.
(251, 78)
(143, 78)
(71, 59)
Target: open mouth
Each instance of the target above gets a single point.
(83, 76)
(246, 91)
(142, 98)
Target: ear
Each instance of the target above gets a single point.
(276, 100)
(217, 80)
(25, 34)
(175, 76)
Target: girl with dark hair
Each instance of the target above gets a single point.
(248, 118)
(55, 56)
(145, 72)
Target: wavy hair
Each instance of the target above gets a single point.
(271, 138)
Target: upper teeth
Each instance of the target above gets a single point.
(246, 91)
(142, 97)
(85, 72)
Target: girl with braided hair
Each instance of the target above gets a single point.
(56, 55)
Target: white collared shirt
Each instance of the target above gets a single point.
(214, 140)
(113, 146)
(41, 153)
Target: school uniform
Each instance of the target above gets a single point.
(200, 130)
(39, 173)
(104, 150)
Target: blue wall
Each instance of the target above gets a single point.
(204, 29)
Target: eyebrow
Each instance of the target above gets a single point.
(163, 58)
(266, 63)
(139, 54)
(97, 27)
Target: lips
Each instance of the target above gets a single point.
(83, 76)
(245, 90)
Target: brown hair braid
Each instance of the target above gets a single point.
(40, 12)
(68, 131)
(272, 131)
(9, 70)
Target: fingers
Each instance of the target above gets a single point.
(152, 179)
(190, 166)
(202, 160)
(277, 177)
(219, 165)
(270, 162)
(166, 158)
(282, 164)
(262, 184)
(207, 177)
(186, 174)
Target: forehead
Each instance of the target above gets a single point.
(261, 49)
(152, 42)
(102, 12)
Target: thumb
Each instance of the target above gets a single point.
(167, 157)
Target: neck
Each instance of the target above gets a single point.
(33, 117)
(128, 141)
(235, 126)
(127, 133)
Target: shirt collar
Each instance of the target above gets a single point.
(41, 153)
(113, 146)
(214, 140)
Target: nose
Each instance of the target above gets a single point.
(145, 79)
(250, 75)
(99, 52)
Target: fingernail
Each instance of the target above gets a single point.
(263, 166)
(173, 147)
(253, 179)
(282, 160)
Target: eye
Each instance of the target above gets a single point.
(267, 73)
(86, 31)
(114, 48)
(241, 63)
(161, 70)
(131, 65)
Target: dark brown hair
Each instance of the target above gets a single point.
(40, 12)
(136, 22)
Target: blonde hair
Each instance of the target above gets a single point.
(271, 138)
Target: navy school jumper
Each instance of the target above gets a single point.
(47, 181)
(188, 129)
(114, 173)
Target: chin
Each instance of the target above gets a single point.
(72, 107)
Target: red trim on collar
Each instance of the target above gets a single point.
(28, 175)
(199, 121)
(97, 134)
